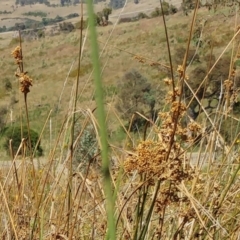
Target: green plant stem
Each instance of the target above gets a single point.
(142, 199)
(148, 218)
(107, 183)
(168, 45)
(73, 130)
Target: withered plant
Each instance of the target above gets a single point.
(179, 181)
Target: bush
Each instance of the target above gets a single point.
(87, 146)
(127, 19)
(167, 9)
(3, 29)
(173, 9)
(156, 13)
(72, 15)
(5, 12)
(20, 26)
(66, 27)
(49, 21)
(33, 24)
(135, 95)
(29, 2)
(14, 133)
(142, 15)
(36, 14)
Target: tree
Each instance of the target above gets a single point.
(211, 89)
(187, 6)
(106, 12)
(167, 9)
(99, 18)
(20, 26)
(135, 95)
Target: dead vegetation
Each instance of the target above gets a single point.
(156, 190)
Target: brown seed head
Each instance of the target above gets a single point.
(25, 82)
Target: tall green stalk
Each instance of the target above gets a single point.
(110, 205)
(70, 203)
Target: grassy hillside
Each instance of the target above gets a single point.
(54, 67)
(97, 178)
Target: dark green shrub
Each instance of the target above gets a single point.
(135, 94)
(106, 12)
(36, 14)
(66, 27)
(72, 15)
(87, 146)
(49, 21)
(127, 19)
(173, 9)
(142, 15)
(20, 26)
(5, 12)
(156, 13)
(167, 9)
(14, 133)
(3, 29)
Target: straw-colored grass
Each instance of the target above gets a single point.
(148, 186)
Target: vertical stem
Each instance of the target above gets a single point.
(50, 132)
(71, 148)
(168, 45)
(110, 205)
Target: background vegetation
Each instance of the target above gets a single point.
(148, 150)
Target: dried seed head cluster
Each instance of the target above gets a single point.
(24, 79)
(152, 160)
(228, 84)
(17, 54)
(180, 70)
(167, 81)
(140, 59)
(230, 95)
(194, 127)
(25, 82)
(164, 158)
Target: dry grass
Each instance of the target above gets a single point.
(159, 192)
